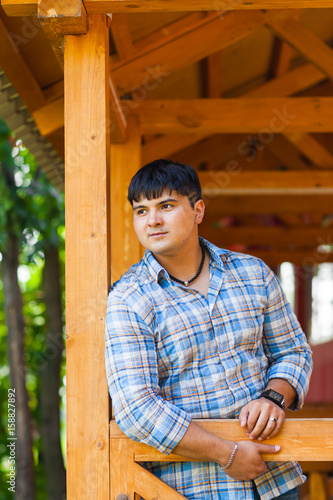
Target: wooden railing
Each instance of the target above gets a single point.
(301, 439)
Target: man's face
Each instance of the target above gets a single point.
(166, 224)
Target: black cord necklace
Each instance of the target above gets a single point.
(187, 283)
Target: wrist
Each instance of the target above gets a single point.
(232, 457)
(275, 397)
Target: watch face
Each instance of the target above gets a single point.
(275, 395)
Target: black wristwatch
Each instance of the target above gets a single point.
(274, 396)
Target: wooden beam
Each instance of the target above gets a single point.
(18, 72)
(64, 18)
(87, 260)
(225, 183)
(29, 7)
(268, 115)
(154, 65)
(303, 40)
(300, 439)
(266, 235)
(287, 153)
(246, 203)
(58, 18)
(125, 162)
(293, 82)
(50, 117)
(312, 149)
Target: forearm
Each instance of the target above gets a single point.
(200, 444)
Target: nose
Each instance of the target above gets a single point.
(154, 218)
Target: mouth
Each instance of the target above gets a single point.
(155, 235)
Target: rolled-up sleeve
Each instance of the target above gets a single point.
(132, 374)
(285, 344)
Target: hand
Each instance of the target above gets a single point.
(257, 416)
(248, 463)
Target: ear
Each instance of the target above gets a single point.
(199, 209)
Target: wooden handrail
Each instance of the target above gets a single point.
(301, 439)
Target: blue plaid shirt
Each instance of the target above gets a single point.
(173, 354)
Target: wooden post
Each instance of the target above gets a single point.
(303, 297)
(125, 162)
(87, 267)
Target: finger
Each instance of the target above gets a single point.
(276, 430)
(252, 419)
(269, 429)
(260, 425)
(243, 416)
(268, 448)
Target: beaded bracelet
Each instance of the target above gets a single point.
(231, 459)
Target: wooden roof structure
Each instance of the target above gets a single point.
(240, 90)
(245, 96)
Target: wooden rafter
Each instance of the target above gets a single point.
(224, 183)
(18, 71)
(266, 203)
(306, 236)
(29, 7)
(273, 115)
(304, 41)
(155, 65)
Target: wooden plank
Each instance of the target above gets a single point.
(152, 488)
(183, 49)
(266, 235)
(122, 37)
(50, 117)
(17, 70)
(87, 261)
(29, 7)
(267, 115)
(125, 162)
(223, 183)
(303, 40)
(168, 31)
(293, 82)
(282, 55)
(300, 439)
(121, 469)
(59, 17)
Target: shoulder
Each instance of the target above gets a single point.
(132, 286)
(244, 263)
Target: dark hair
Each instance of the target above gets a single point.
(151, 180)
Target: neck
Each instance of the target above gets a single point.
(183, 265)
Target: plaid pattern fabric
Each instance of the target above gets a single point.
(173, 354)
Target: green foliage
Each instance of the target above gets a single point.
(33, 210)
(31, 207)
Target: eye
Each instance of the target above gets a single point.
(141, 211)
(166, 206)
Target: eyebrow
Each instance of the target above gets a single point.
(163, 202)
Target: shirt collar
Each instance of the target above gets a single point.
(156, 270)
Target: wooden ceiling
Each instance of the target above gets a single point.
(243, 91)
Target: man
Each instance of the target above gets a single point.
(193, 331)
